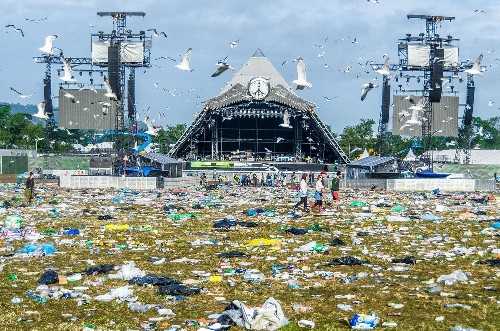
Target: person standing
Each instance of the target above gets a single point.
(335, 186)
(302, 193)
(318, 192)
(30, 186)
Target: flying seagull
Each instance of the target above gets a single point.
(414, 117)
(41, 112)
(419, 105)
(109, 92)
(279, 139)
(385, 68)
(301, 80)
(15, 29)
(151, 129)
(234, 44)
(476, 67)
(22, 96)
(68, 95)
(68, 72)
(367, 87)
(286, 120)
(37, 20)
(47, 47)
(221, 67)
(157, 34)
(184, 64)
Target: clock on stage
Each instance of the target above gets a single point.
(258, 88)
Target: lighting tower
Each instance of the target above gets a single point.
(118, 41)
(433, 72)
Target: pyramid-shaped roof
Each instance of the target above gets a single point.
(257, 65)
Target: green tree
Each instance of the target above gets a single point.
(354, 139)
(169, 136)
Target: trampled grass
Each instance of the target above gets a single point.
(440, 247)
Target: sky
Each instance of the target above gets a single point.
(330, 35)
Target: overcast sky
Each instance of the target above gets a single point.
(282, 29)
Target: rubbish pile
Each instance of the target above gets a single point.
(240, 258)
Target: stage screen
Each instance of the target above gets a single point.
(444, 117)
(418, 55)
(130, 52)
(450, 56)
(89, 112)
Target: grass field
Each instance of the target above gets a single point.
(190, 244)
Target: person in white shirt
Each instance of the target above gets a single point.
(318, 193)
(302, 193)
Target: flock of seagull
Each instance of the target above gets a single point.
(301, 83)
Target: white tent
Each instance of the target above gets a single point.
(410, 157)
(365, 154)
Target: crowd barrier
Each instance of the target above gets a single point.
(444, 185)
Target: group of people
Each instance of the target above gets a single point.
(321, 189)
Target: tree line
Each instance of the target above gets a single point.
(20, 131)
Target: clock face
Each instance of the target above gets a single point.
(258, 88)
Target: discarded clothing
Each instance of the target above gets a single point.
(346, 260)
(268, 317)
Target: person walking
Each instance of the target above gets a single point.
(318, 192)
(30, 186)
(335, 186)
(302, 193)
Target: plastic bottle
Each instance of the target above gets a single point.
(390, 324)
(16, 300)
(399, 268)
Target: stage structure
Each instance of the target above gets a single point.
(432, 61)
(258, 115)
(112, 54)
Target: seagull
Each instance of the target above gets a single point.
(234, 44)
(279, 139)
(149, 123)
(22, 96)
(366, 88)
(68, 95)
(47, 47)
(419, 105)
(385, 68)
(476, 67)
(109, 92)
(15, 29)
(268, 150)
(184, 64)
(221, 67)
(402, 114)
(414, 118)
(301, 81)
(37, 20)
(286, 120)
(157, 34)
(68, 73)
(41, 112)
(490, 103)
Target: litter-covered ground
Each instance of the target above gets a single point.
(240, 258)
